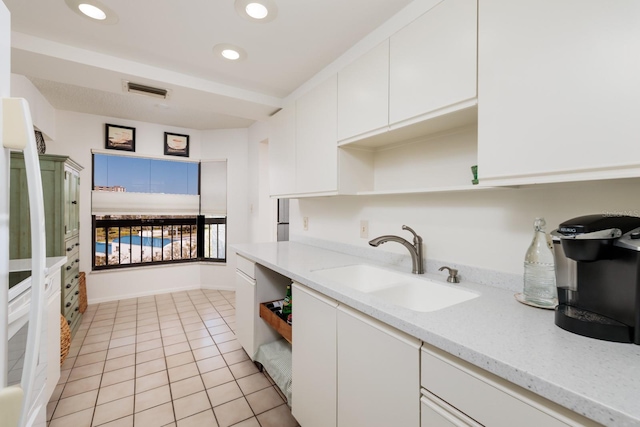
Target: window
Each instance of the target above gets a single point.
(148, 211)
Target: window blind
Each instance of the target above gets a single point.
(125, 203)
(116, 200)
(213, 187)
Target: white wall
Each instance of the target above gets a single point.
(233, 145)
(262, 208)
(79, 133)
(42, 113)
(487, 229)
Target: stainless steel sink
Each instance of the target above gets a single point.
(418, 294)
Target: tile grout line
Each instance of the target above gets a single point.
(202, 305)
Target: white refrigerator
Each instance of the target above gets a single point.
(21, 313)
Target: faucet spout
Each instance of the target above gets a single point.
(414, 249)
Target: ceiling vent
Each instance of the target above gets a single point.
(145, 90)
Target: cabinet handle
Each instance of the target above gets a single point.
(77, 308)
(77, 244)
(77, 276)
(68, 286)
(74, 202)
(70, 249)
(77, 260)
(69, 267)
(69, 322)
(68, 305)
(77, 292)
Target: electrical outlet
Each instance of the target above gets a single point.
(364, 229)
(305, 223)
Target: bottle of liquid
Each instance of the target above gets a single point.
(286, 306)
(539, 269)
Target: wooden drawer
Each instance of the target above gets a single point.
(71, 280)
(282, 327)
(71, 268)
(488, 399)
(71, 247)
(70, 299)
(73, 315)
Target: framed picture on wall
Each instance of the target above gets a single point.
(176, 144)
(120, 137)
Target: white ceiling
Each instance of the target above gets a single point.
(79, 64)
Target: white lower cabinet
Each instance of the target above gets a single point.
(314, 359)
(461, 394)
(246, 306)
(435, 412)
(378, 373)
(53, 334)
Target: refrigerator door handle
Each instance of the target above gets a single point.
(18, 133)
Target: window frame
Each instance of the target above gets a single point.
(159, 221)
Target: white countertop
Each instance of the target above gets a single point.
(598, 379)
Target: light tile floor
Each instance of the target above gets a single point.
(164, 360)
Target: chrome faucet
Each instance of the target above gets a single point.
(415, 249)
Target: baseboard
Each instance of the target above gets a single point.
(142, 294)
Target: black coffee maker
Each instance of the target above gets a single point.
(598, 277)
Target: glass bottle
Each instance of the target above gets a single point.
(286, 306)
(539, 269)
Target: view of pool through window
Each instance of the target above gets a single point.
(148, 235)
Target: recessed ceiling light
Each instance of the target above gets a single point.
(93, 10)
(229, 52)
(257, 10)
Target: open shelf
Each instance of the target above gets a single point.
(435, 163)
(282, 327)
(435, 122)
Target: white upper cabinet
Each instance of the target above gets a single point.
(316, 139)
(363, 94)
(282, 152)
(559, 90)
(433, 63)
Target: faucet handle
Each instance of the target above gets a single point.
(416, 239)
(453, 274)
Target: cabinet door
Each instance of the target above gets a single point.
(433, 61)
(75, 203)
(282, 152)
(67, 202)
(246, 307)
(71, 203)
(378, 373)
(558, 90)
(314, 359)
(316, 139)
(52, 173)
(363, 94)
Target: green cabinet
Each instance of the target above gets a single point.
(61, 194)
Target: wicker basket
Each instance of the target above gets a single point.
(82, 297)
(65, 339)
